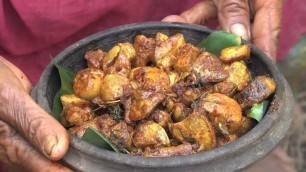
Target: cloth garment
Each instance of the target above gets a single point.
(34, 31)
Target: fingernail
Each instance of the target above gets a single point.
(240, 30)
(49, 143)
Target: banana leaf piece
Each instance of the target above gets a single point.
(219, 40)
(94, 137)
(258, 110)
(66, 88)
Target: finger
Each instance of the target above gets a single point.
(16, 153)
(266, 26)
(234, 17)
(175, 18)
(19, 74)
(200, 13)
(40, 129)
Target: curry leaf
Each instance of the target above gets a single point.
(219, 40)
(66, 88)
(258, 110)
(115, 111)
(94, 137)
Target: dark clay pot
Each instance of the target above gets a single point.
(237, 155)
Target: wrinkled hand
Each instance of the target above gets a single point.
(29, 137)
(255, 20)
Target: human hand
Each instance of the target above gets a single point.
(29, 137)
(254, 20)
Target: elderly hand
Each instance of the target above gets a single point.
(29, 137)
(255, 20)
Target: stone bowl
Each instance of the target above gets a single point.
(236, 155)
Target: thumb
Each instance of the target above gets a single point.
(18, 110)
(40, 129)
(234, 17)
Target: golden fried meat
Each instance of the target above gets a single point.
(75, 115)
(227, 88)
(87, 83)
(180, 112)
(236, 53)
(166, 51)
(161, 117)
(73, 100)
(118, 59)
(246, 125)
(121, 135)
(79, 130)
(224, 112)
(150, 134)
(142, 104)
(196, 128)
(238, 74)
(208, 68)
(260, 89)
(94, 58)
(114, 87)
(149, 79)
(145, 50)
(186, 56)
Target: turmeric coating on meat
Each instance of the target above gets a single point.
(162, 96)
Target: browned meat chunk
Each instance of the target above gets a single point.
(143, 103)
(166, 50)
(150, 134)
(261, 88)
(190, 96)
(87, 83)
(105, 122)
(208, 68)
(227, 88)
(223, 111)
(74, 115)
(161, 117)
(149, 85)
(239, 75)
(114, 87)
(174, 77)
(246, 125)
(180, 112)
(79, 130)
(195, 129)
(185, 58)
(101, 123)
(94, 58)
(145, 49)
(149, 79)
(73, 100)
(236, 53)
(121, 135)
(169, 103)
(118, 59)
